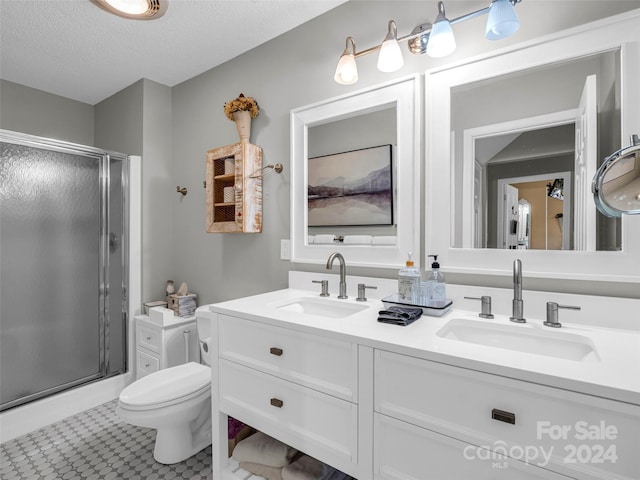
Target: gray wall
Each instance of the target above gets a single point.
(27, 110)
(291, 71)
(137, 121)
(173, 128)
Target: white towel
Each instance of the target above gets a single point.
(323, 239)
(261, 448)
(358, 239)
(307, 468)
(384, 240)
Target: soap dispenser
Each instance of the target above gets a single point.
(436, 286)
(409, 282)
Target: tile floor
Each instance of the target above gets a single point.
(94, 445)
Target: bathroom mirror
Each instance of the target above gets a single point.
(498, 121)
(616, 186)
(385, 117)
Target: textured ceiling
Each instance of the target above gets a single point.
(74, 49)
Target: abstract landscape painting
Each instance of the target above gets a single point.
(351, 188)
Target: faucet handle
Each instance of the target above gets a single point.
(361, 288)
(552, 314)
(325, 287)
(485, 309)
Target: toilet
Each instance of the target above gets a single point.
(175, 401)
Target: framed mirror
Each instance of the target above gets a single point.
(355, 163)
(531, 126)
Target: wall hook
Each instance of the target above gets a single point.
(182, 190)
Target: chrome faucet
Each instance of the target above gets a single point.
(343, 272)
(518, 307)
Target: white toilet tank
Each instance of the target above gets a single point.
(203, 323)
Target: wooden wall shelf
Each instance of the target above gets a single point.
(233, 166)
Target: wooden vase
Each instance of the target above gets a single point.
(243, 125)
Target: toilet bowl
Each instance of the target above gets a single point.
(175, 401)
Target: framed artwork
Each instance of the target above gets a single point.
(351, 188)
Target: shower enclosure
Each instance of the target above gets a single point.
(63, 266)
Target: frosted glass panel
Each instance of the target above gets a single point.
(50, 276)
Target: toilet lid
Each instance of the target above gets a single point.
(167, 386)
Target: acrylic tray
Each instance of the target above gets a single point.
(434, 309)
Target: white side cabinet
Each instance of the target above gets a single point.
(164, 343)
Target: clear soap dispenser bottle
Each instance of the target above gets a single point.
(436, 286)
(409, 282)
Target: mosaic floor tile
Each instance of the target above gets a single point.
(94, 445)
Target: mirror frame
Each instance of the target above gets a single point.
(405, 95)
(615, 33)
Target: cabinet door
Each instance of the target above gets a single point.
(405, 452)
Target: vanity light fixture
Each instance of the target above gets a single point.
(436, 40)
(390, 57)
(441, 41)
(347, 71)
(134, 9)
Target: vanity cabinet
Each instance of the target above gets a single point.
(237, 170)
(294, 386)
(475, 417)
(161, 346)
(366, 400)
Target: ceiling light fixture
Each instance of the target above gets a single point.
(134, 9)
(435, 40)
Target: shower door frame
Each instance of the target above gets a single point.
(103, 157)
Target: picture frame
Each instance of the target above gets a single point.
(353, 188)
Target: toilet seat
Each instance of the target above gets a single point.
(167, 387)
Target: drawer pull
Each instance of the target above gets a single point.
(276, 351)
(503, 416)
(276, 402)
(148, 338)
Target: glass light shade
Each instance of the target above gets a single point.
(441, 41)
(390, 57)
(132, 7)
(502, 21)
(347, 70)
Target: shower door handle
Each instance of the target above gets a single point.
(113, 243)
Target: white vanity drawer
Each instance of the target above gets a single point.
(149, 337)
(146, 364)
(322, 426)
(327, 365)
(406, 452)
(588, 437)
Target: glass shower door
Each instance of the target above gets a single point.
(57, 249)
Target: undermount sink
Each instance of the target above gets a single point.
(322, 307)
(549, 343)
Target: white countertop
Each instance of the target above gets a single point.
(615, 376)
